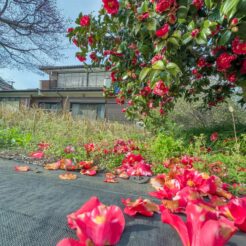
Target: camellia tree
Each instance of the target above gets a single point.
(160, 50)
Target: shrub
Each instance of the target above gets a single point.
(165, 146)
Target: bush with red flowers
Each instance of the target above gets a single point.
(160, 50)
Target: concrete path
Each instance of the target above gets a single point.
(33, 209)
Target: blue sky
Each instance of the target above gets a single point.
(70, 9)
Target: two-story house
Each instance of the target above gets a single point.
(5, 86)
(77, 89)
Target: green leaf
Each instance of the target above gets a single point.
(182, 12)
(177, 34)
(173, 68)
(241, 30)
(159, 65)
(209, 3)
(137, 28)
(154, 74)
(201, 40)
(144, 7)
(191, 26)
(241, 9)
(174, 41)
(151, 24)
(229, 6)
(144, 73)
(186, 38)
(206, 31)
(224, 39)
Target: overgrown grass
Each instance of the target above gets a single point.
(26, 128)
(61, 129)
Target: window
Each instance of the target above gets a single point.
(50, 106)
(89, 111)
(72, 80)
(97, 79)
(10, 101)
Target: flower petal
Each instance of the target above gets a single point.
(92, 203)
(37, 155)
(70, 242)
(22, 168)
(68, 176)
(178, 224)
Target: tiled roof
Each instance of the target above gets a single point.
(4, 85)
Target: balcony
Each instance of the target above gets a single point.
(48, 84)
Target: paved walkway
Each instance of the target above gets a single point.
(33, 209)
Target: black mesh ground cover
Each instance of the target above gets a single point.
(33, 209)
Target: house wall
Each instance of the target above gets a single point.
(112, 110)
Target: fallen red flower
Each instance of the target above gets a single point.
(86, 164)
(237, 207)
(69, 149)
(90, 147)
(68, 176)
(89, 172)
(96, 224)
(124, 175)
(65, 163)
(37, 155)
(142, 206)
(22, 168)
(110, 180)
(214, 136)
(43, 146)
(181, 199)
(140, 169)
(52, 166)
(203, 227)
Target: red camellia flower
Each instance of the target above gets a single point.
(143, 16)
(69, 149)
(111, 6)
(164, 5)
(156, 58)
(198, 3)
(243, 67)
(223, 62)
(22, 168)
(86, 164)
(113, 77)
(237, 207)
(232, 77)
(202, 62)
(160, 89)
(95, 224)
(163, 32)
(90, 147)
(195, 32)
(37, 154)
(85, 20)
(75, 41)
(145, 91)
(238, 47)
(234, 21)
(70, 29)
(214, 136)
(43, 146)
(203, 227)
(172, 18)
(142, 206)
(94, 57)
(90, 40)
(80, 58)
